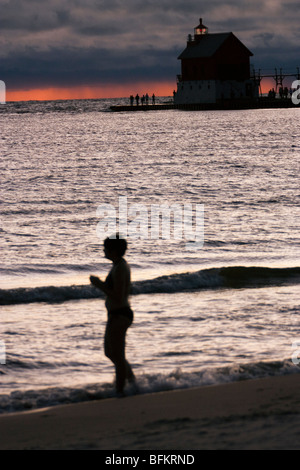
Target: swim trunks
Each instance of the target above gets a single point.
(125, 311)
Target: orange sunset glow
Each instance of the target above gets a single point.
(163, 88)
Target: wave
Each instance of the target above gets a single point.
(233, 277)
(47, 269)
(21, 400)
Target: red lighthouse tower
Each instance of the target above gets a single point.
(214, 67)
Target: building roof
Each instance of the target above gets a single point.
(207, 46)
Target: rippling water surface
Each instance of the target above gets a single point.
(195, 321)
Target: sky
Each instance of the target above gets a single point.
(60, 49)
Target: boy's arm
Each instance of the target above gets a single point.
(119, 290)
(100, 285)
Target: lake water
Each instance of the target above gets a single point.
(224, 311)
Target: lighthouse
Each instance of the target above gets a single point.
(215, 67)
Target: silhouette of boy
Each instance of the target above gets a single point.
(116, 287)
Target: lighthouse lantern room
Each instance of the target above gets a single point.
(200, 30)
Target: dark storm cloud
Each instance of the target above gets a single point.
(98, 41)
(86, 66)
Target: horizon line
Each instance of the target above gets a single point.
(77, 92)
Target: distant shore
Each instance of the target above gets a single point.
(252, 414)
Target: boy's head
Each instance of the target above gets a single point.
(116, 244)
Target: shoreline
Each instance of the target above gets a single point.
(251, 414)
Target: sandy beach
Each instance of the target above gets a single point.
(252, 414)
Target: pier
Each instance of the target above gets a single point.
(149, 107)
(259, 103)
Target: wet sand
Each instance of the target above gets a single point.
(252, 414)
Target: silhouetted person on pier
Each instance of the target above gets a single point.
(153, 98)
(137, 99)
(147, 99)
(116, 287)
(131, 100)
(272, 94)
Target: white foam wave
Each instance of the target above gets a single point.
(146, 383)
